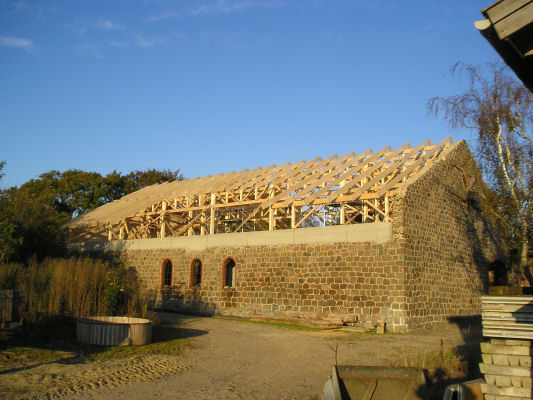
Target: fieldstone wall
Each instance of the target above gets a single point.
(433, 266)
(447, 242)
(318, 281)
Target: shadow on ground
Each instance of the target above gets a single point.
(54, 341)
(468, 354)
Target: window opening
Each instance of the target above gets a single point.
(229, 272)
(167, 273)
(196, 273)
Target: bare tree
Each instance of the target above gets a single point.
(499, 110)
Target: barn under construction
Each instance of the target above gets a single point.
(396, 236)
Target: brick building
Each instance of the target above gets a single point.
(397, 236)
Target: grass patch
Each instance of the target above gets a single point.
(58, 343)
(166, 339)
(32, 355)
(448, 361)
(279, 324)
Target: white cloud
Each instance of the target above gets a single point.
(101, 24)
(116, 43)
(20, 43)
(88, 50)
(33, 8)
(190, 8)
(163, 16)
(105, 24)
(145, 42)
(78, 27)
(20, 5)
(97, 49)
(215, 7)
(222, 7)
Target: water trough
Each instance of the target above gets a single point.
(114, 331)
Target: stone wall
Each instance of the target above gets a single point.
(446, 240)
(427, 266)
(320, 281)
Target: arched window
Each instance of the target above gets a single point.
(196, 272)
(166, 273)
(228, 272)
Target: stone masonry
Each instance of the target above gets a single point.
(320, 281)
(432, 267)
(446, 240)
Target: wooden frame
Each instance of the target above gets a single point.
(338, 190)
(508, 27)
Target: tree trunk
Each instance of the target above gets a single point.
(525, 247)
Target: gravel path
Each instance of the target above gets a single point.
(234, 360)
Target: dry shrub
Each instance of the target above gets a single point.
(78, 287)
(10, 275)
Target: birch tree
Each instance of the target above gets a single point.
(499, 110)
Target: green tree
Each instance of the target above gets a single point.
(2, 165)
(35, 227)
(499, 109)
(10, 237)
(138, 179)
(32, 216)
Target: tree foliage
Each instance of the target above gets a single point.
(499, 110)
(32, 216)
(75, 192)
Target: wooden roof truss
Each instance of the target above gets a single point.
(334, 191)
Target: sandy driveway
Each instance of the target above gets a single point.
(241, 360)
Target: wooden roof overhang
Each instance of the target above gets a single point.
(354, 188)
(508, 27)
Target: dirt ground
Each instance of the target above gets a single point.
(232, 360)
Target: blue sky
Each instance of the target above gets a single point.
(210, 86)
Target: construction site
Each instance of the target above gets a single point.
(396, 237)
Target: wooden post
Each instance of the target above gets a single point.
(293, 216)
(241, 195)
(109, 231)
(271, 219)
(121, 233)
(212, 215)
(343, 207)
(376, 213)
(365, 207)
(190, 231)
(227, 214)
(162, 231)
(202, 217)
(387, 209)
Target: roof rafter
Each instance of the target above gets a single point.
(336, 190)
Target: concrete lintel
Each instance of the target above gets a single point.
(356, 233)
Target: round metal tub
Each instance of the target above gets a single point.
(114, 331)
